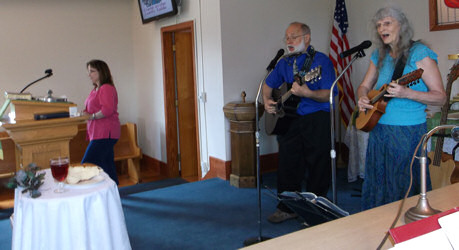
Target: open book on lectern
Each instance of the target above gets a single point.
(312, 208)
(13, 96)
(4, 107)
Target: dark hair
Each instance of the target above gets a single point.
(105, 77)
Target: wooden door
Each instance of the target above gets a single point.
(180, 101)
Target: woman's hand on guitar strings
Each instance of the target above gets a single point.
(364, 104)
(396, 90)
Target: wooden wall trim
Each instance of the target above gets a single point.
(222, 169)
(218, 168)
(154, 165)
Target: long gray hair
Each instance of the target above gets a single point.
(405, 36)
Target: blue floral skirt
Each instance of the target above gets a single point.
(387, 166)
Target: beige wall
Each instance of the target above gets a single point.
(442, 42)
(63, 36)
(235, 41)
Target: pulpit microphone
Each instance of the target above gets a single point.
(48, 72)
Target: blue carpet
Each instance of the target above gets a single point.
(209, 214)
(141, 187)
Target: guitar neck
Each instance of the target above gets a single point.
(376, 98)
(443, 118)
(286, 96)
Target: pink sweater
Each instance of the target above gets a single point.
(104, 99)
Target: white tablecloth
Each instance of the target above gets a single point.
(84, 217)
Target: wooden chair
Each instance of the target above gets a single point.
(126, 149)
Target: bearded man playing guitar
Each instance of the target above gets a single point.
(393, 140)
(305, 144)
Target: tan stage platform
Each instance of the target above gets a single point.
(363, 230)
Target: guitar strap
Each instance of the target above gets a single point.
(400, 66)
(397, 71)
(307, 63)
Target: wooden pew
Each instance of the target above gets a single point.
(126, 149)
(8, 164)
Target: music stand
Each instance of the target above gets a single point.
(312, 209)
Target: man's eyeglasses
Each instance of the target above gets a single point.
(287, 38)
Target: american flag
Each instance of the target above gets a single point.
(338, 44)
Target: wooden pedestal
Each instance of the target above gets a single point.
(243, 154)
(39, 141)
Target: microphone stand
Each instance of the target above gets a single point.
(422, 209)
(359, 54)
(259, 238)
(28, 85)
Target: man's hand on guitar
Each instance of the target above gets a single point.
(270, 106)
(300, 90)
(364, 104)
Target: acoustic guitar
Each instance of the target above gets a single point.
(367, 120)
(442, 165)
(287, 103)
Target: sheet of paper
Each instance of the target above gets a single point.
(434, 240)
(450, 225)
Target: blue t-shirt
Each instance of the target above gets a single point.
(401, 111)
(283, 72)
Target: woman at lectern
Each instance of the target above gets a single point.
(103, 125)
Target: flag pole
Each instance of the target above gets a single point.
(332, 123)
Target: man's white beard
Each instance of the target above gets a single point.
(298, 48)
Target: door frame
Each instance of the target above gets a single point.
(169, 98)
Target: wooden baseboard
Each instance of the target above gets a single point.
(222, 169)
(218, 168)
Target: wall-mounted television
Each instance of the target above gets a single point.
(151, 10)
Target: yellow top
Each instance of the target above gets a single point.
(453, 57)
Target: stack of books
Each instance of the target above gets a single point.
(439, 231)
(18, 96)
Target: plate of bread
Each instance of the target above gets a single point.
(84, 175)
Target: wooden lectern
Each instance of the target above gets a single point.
(38, 141)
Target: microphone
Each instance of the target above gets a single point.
(275, 59)
(364, 45)
(48, 72)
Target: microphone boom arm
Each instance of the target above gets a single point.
(46, 76)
